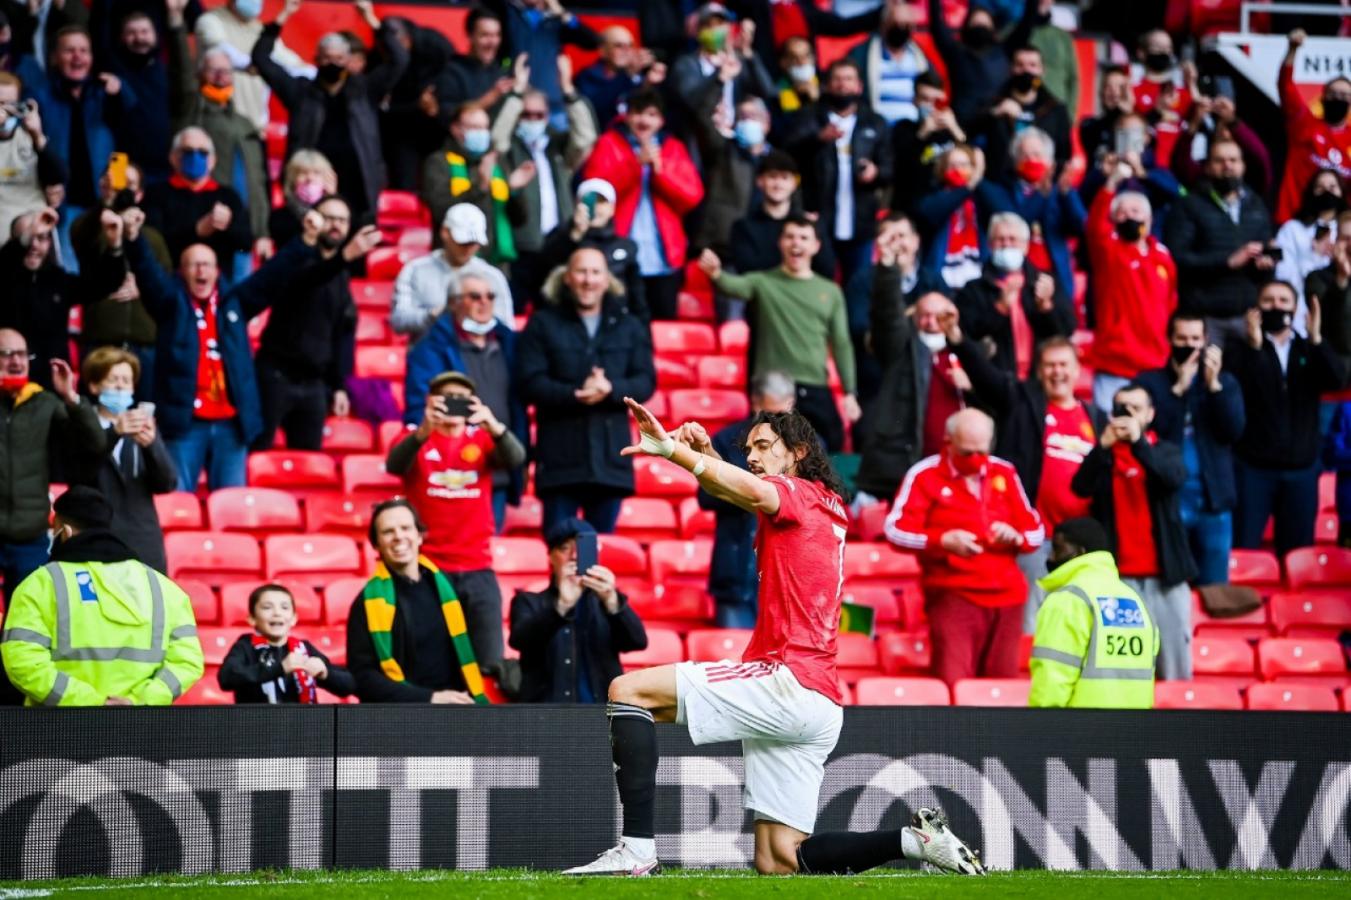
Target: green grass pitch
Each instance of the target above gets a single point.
(697, 885)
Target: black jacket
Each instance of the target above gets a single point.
(31, 435)
(307, 102)
(553, 646)
(980, 319)
(248, 670)
(1165, 473)
(421, 645)
(1201, 237)
(975, 75)
(1282, 409)
(175, 212)
(1019, 411)
(755, 244)
(1217, 421)
(621, 254)
(996, 133)
(1334, 301)
(820, 168)
(578, 445)
(312, 336)
(732, 575)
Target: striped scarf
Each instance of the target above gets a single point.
(378, 598)
(305, 684)
(502, 249)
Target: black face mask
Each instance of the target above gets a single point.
(329, 73)
(977, 37)
(1181, 354)
(840, 102)
(1334, 110)
(1158, 62)
(1129, 230)
(1225, 185)
(1324, 202)
(1274, 321)
(896, 36)
(1024, 82)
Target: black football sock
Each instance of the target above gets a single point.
(847, 852)
(633, 741)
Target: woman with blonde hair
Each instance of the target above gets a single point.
(307, 178)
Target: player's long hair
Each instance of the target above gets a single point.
(796, 433)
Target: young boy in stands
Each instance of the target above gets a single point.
(272, 665)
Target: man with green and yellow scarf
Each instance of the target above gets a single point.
(406, 636)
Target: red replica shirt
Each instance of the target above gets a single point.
(944, 399)
(451, 485)
(1134, 293)
(1313, 143)
(800, 550)
(1069, 438)
(935, 499)
(1136, 554)
(1148, 97)
(213, 394)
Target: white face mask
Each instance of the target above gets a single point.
(531, 130)
(935, 342)
(473, 326)
(802, 73)
(1008, 259)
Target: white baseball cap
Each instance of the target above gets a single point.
(467, 224)
(596, 186)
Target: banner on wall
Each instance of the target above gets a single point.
(127, 792)
(1258, 58)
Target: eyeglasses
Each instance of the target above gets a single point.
(7, 355)
(476, 295)
(336, 219)
(534, 116)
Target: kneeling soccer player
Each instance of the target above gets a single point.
(783, 700)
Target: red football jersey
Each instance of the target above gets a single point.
(800, 550)
(451, 486)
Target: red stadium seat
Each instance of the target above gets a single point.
(292, 469)
(711, 408)
(1327, 492)
(373, 295)
(215, 557)
(717, 644)
(1319, 568)
(734, 338)
(373, 327)
(332, 642)
(254, 510)
(1310, 615)
(882, 600)
(901, 692)
(339, 594)
(621, 554)
(695, 307)
(1223, 656)
(391, 433)
(673, 373)
(400, 207)
(384, 263)
(205, 606)
(696, 522)
(337, 514)
(1327, 527)
(417, 238)
(722, 372)
(1305, 661)
(206, 692)
(1195, 695)
(365, 473)
(856, 656)
(991, 692)
(234, 603)
(1292, 698)
(386, 362)
(527, 517)
(216, 642)
(685, 341)
(1250, 626)
(867, 525)
(904, 651)
(878, 562)
(663, 648)
(520, 563)
(348, 435)
(657, 405)
(680, 579)
(647, 519)
(313, 559)
(1257, 568)
(846, 694)
(657, 477)
(178, 510)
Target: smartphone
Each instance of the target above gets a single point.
(590, 201)
(117, 170)
(1119, 411)
(1130, 140)
(456, 406)
(587, 552)
(146, 408)
(1275, 254)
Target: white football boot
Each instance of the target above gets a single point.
(619, 860)
(940, 847)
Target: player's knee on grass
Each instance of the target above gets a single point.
(776, 853)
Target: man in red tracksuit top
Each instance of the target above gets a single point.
(1134, 288)
(1314, 143)
(965, 513)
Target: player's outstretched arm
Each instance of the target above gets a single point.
(721, 479)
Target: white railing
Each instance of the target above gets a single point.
(1303, 9)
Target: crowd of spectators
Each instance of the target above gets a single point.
(932, 237)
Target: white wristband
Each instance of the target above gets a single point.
(698, 468)
(664, 447)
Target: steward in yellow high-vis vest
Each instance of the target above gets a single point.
(95, 626)
(1095, 642)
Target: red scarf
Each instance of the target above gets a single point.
(305, 684)
(182, 184)
(963, 234)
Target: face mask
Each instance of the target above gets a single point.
(192, 163)
(330, 73)
(1274, 321)
(1024, 82)
(802, 74)
(955, 178)
(309, 192)
(1008, 259)
(977, 37)
(749, 133)
(712, 39)
(249, 9)
(969, 464)
(1224, 185)
(1325, 202)
(477, 140)
(1181, 354)
(1158, 62)
(1129, 230)
(840, 102)
(897, 36)
(472, 326)
(936, 343)
(116, 402)
(531, 130)
(12, 384)
(1033, 170)
(218, 95)
(1334, 110)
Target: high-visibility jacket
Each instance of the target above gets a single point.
(1095, 641)
(80, 632)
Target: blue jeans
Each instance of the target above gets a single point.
(213, 444)
(1211, 535)
(599, 506)
(69, 214)
(499, 509)
(19, 559)
(1288, 495)
(851, 256)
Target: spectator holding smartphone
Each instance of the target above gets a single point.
(447, 467)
